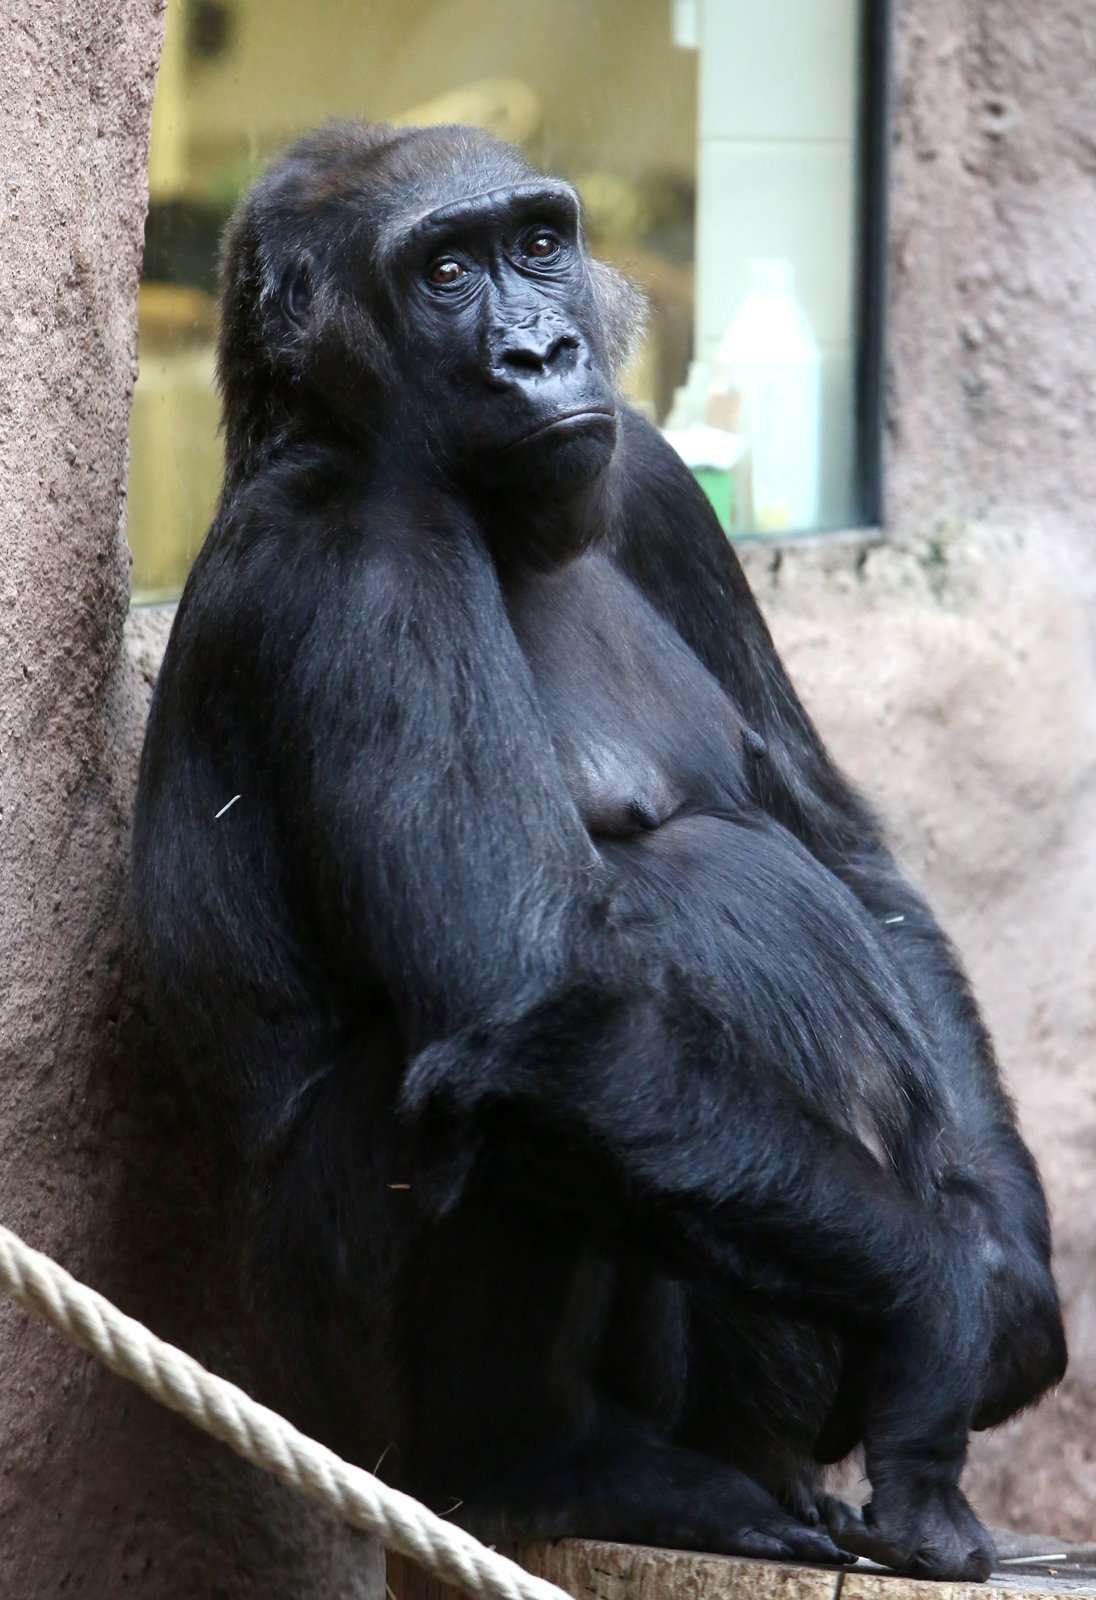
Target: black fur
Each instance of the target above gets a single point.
(616, 1135)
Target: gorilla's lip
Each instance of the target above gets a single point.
(573, 421)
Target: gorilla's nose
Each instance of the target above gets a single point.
(534, 349)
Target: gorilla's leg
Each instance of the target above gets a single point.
(326, 1218)
(761, 1385)
(505, 1319)
(716, 1116)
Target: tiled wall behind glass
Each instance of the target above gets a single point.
(777, 170)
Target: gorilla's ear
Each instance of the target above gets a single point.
(623, 310)
(298, 282)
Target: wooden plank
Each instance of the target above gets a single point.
(1034, 1566)
(594, 1571)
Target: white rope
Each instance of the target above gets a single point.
(259, 1435)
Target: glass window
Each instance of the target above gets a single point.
(715, 143)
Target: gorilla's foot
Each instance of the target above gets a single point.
(662, 1496)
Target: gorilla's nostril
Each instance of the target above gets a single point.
(979, 1563)
(525, 360)
(565, 348)
(542, 355)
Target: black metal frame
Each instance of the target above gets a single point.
(870, 294)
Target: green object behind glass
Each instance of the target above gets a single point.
(718, 486)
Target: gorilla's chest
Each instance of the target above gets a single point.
(641, 728)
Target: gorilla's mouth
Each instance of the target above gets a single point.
(567, 424)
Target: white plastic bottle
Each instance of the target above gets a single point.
(766, 385)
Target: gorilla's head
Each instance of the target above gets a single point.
(425, 292)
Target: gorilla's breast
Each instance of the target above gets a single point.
(641, 729)
(618, 788)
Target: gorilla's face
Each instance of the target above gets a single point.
(498, 338)
(421, 290)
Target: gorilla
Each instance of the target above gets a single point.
(613, 1138)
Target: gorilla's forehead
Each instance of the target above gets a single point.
(423, 172)
(545, 199)
(396, 187)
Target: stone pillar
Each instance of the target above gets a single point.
(101, 1492)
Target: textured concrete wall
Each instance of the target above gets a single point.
(954, 671)
(101, 1493)
(993, 291)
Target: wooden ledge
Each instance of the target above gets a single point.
(1033, 1565)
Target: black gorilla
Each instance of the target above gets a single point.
(617, 1138)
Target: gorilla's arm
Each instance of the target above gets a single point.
(669, 543)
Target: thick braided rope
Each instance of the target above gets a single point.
(179, 1382)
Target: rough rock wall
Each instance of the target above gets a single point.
(953, 670)
(101, 1492)
(992, 339)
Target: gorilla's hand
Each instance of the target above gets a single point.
(923, 1392)
(922, 1526)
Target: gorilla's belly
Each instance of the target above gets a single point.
(741, 900)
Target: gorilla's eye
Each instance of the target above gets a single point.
(541, 245)
(444, 271)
